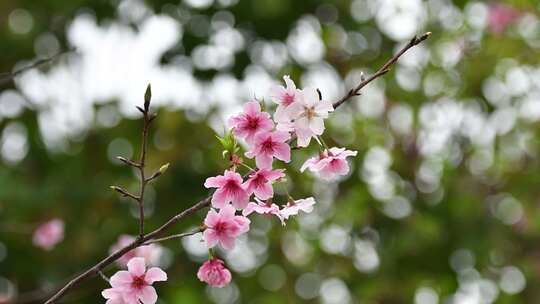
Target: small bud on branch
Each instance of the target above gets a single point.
(147, 97)
(128, 162)
(124, 192)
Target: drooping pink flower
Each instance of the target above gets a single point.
(252, 121)
(260, 182)
(308, 115)
(230, 189)
(268, 145)
(264, 208)
(224, 227)
(329, 164)
(135, 284)
(284, 97)
(500, 16)
(151, 253)
(214, 273)
(293, 208)
(48, 234)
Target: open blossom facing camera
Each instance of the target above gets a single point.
(48, 234)
(268, 145)
(224, 227)
(151, 253)
(214, 273)
(252, 121)
(134, 285)
(298, 111)
(260, 182)
(329, 164)
(230, 190)
(309, 114)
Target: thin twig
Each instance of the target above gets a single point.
(147, 119)
(103, 276)
(174, 236)
(128, 161)
(383, 70)
(206, 201)
(8, 76)
(125, 193)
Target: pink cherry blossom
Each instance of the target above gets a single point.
(309, 114)
(135, 284)
(268, 145)
(151, 253)
(264, 208)
(284, 97)
(251, 121)
(48, 234)
(293, 208)
(500, 16)
(214, 273)
(230, 189)
(260, 182)
(329, 164)
(224, 227)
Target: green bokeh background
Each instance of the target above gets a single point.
(413, 251)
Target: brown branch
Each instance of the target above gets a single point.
(8, 76)
(174, 236)
(383, 70)
(147, 119)
(125, 193)
(153, 236)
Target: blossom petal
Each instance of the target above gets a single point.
(272, 175)
(252, 108)
(212, 218)
(148, 295)
(282, 152)
(316, 124)
(227, 212)
(136, 266)
(121, 278)
(263, 161)
(210, 237)
(281, 136)
(220, 198)
(264, 191)
(227, 242)
(155, 274)
(249, 209)
(215, 182)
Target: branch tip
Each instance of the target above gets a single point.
(147, 97)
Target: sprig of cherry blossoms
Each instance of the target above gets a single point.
(299, 117)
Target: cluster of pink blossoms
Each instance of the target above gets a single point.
(299, 114)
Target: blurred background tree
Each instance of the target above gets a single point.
(442, 204)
